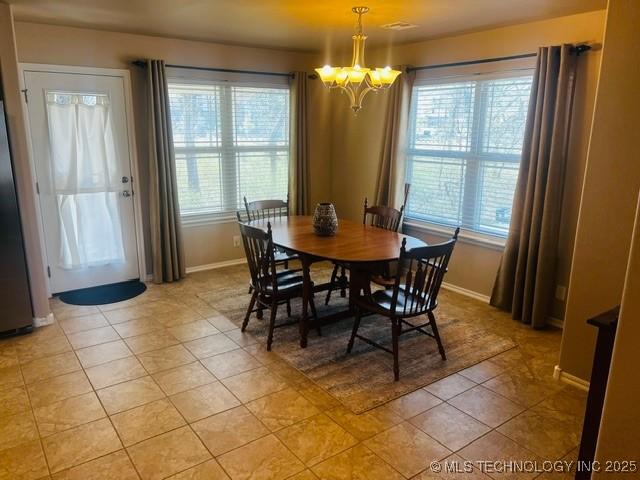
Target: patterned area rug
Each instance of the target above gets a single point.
(364, 379)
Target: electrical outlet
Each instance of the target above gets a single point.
(561, 292)
(236, 240)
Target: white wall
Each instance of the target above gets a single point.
(345, 150)
(610, 192)
(356, 143)
(58, 45)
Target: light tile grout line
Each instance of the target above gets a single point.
(101, 404)
(167, 397)
(126, 448)
(44, 454)
(294, 386)
(110, 422)
(190, 425)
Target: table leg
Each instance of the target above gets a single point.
(343, 282)
(306, 297)
(355, 285)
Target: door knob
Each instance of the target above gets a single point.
(125, 179)
(125, 193)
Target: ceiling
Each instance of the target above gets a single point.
(293, 24)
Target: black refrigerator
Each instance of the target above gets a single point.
(16, 314)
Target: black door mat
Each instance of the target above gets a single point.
(113, 293)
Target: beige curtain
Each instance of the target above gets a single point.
(391, 170)
(526, 279)
(164, 215)
(299, 158)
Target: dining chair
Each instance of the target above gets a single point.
(386, 217)
(414, 294)
(382, 217)
(282, 258)
(271, 287)
(379, 216)
(267, 210)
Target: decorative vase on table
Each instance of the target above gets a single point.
(325, 221)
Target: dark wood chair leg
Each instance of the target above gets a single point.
(250, 289)
(288, 308)
(434, 328)
(307, 298)
(354, 332)
(272, 324)
(314, 313)
(395, 333)
(332, 284)
(286, 264)
(312, 306)
(343, 282)
(259, 313)
(252, 303)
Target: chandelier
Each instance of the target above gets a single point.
(357, 80)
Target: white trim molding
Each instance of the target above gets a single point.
(208, 266)
(203, 219)
(466, 292)
(125, 76)
(473, 238)
(552, 321)
(213, 266)
(555, 322)
(44, 321)
(240, 261)
(562, 376)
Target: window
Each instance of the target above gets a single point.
(230, 141)
(464, 148)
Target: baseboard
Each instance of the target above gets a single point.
(43, 321)
(466, 292)
(555, 322)
(208, 266)
(213, 266)
(569, 379)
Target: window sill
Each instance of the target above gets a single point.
(190, 220)
(473, 238)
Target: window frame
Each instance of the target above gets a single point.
(470, 192)
(226, 146)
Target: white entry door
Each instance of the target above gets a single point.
(81, 149)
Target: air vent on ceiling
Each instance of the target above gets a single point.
(399, 26)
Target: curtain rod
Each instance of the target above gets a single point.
(578, 49)
(142, 63)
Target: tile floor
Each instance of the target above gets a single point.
(163, 386)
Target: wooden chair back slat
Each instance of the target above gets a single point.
(381, 217)
(385, 217)
(407, 188)
(266, 209)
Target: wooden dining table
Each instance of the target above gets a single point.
(360, 247)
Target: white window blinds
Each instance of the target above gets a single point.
(464, 149)
(230, 141)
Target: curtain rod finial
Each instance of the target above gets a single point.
(582, 48)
